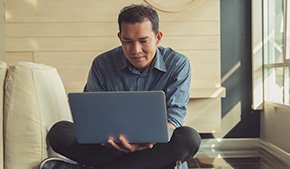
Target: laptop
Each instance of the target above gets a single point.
(139, 115)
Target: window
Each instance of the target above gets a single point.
(277, 51)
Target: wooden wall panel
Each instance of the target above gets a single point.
(73, 67)
(64, 10)
(202, 65)
(14, 57)
(97, 11)
(71, 29)
(204, 115)
(196, 28)
(68, 34)
(104, 43)
(61, 44)
(105, 29)
(2, 37)
(192, 42)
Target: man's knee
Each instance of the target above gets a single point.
(61, 135)
(186, 142)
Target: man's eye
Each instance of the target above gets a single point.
(143, 41)
(127, 42)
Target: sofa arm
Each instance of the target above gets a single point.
(34, 100)
(3, 68)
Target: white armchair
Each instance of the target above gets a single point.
(34, 99)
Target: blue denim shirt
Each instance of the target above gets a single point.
(169, 72)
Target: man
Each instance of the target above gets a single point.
(139, 64)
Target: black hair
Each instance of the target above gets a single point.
(137, 14)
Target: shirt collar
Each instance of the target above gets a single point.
(123, 61)
(158, 62)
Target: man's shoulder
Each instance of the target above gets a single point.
(170, 55)
(108, 57)
(110, 54)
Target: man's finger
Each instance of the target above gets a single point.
(126, 144)
(150, 146)
(112, 143)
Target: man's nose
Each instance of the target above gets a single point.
(136, 48)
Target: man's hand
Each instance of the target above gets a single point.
(170, 125)
(125, 146)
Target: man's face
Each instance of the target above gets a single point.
(139, 43)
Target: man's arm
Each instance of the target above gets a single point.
(177, 93)
(94, 81)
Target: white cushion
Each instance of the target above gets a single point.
(34, 100)
(3, 68)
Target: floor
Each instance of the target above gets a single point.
(262, 161)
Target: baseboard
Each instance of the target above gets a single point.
(245, 147)
(229, 148)
(230, 144)
(275, 151)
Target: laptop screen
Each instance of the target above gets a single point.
(139, 115)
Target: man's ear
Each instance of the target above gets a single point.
(119, 36)
(159, 37)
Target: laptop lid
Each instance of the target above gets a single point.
(139, 115)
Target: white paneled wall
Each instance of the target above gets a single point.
(68, 34)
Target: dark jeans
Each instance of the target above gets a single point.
(183, 144)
